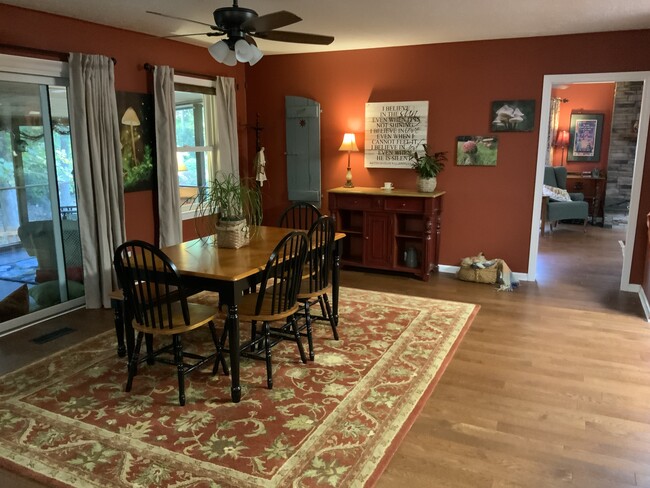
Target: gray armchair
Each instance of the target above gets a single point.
(553, 211)
(37, 238)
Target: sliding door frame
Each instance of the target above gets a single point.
(44, 73)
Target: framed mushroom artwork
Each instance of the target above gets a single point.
(476, 150)
(136, 123)
(512, 115)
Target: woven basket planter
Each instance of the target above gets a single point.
(232, 235)
(427, 185)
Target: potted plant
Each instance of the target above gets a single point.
(229, 206)
(428, 166)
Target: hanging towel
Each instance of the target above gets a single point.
(260, 163)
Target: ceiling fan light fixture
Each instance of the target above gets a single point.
(219, 51)
(230, 59)
(243, 51)
(257, 55)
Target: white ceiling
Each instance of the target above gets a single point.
(360, 24)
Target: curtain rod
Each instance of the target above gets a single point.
(150, 67)
(60, 55)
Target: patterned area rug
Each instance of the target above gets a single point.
(66, 420)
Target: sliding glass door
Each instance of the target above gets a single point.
(40, 250)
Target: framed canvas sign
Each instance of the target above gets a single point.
(513, 115)
(476, 150)
(585, 134)
(394, 130)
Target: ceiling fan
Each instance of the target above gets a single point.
(241, 25)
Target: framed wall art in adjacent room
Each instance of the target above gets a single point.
(586, 132)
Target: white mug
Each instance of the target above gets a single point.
(388, 185)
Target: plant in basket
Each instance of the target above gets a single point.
(428, 166)
(229, 207)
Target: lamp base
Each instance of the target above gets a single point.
(348, 179)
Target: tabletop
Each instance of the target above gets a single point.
(201, 258)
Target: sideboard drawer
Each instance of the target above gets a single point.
(405, 204)
(360, 202)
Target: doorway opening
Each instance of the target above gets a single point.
(544, 136)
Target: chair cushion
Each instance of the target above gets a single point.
(556, 194)
(199, 315)
(567, 210)
(248, 305)
(305, 291)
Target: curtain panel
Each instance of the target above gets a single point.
(226, 121)
(98, 166)
(169, 201)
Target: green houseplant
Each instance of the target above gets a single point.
(229, 207)
(428, 165)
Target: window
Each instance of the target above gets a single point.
(195, 146)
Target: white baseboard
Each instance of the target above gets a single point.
(443, 268)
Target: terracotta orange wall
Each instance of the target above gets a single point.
(39, 30)
(485, 208)
(586, 98)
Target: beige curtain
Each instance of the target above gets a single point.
(98, 171)
(225, 112)
(169, 202)
(553, 124)
(212, 135)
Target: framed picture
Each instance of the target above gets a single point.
(513, 115)
(137, 135)
(585, 134)
(476, 151)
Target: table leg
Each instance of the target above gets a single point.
(233, 345)
(335, 281)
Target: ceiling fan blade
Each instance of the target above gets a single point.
(270, 21)
(180, 18)
(298, 37)
(209, 34)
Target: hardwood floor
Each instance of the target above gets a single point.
(549, 388)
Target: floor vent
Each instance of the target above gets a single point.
(50, 336)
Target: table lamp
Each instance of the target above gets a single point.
(562, 141)
(349, 144)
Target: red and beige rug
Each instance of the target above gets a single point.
(335, 422)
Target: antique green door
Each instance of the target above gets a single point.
(303, 149)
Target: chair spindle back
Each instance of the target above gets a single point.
(283, 273)
(300, 215)
(321, 248)
(151, 283)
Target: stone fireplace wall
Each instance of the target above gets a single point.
(622, 148)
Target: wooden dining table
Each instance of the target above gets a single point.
(205, 266)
